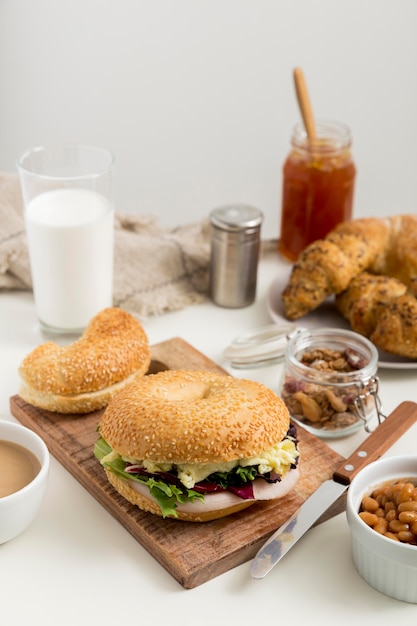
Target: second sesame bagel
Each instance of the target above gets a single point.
(83, 376)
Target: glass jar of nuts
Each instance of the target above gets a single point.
(329, 382)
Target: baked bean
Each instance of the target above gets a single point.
(405, 494)
(396, 526)
(407, 517)
(393, 489)
(369, 518)
(408, 506)
(391, 536)
(370, 504)
(381, 526)
(391, 515)
(391, 510)
(406, 536)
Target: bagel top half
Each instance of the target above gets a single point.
(84, 375)
(194, 417)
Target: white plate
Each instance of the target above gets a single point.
(325, 316)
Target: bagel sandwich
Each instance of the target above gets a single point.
(83, 376)
(197, 445)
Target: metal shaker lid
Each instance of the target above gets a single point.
(236, 217)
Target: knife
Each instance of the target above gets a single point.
(378, 442)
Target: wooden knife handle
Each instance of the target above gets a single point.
(378, 442)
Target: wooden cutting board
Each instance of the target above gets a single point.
(192, 553)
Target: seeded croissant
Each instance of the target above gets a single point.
(380, 246)
(382, 309)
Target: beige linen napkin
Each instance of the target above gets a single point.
(156, 270)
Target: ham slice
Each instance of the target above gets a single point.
(224, 499)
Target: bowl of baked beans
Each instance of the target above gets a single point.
(381, 512)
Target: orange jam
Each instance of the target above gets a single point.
(318, 186)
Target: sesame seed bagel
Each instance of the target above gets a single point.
(186, 429)
(194, 417)
(83, 376)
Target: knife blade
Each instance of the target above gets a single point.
(378, 442)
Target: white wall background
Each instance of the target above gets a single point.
(195, 97)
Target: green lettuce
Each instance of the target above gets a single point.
(167, 495)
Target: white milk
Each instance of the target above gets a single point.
(70, 238)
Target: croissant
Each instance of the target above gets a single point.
(367, 294)
(327, 266)
(382, 309)
(396, 330)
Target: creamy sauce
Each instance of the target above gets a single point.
(18, 467)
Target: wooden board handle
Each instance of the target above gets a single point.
(378, 442)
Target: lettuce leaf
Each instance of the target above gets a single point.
(237, 476)
(166, 494)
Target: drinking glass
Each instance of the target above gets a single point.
(69, 217)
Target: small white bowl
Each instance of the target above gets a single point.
(18, 510)
(387, 565)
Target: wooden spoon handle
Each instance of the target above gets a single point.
(304, 103)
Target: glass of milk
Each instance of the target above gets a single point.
(69, 216)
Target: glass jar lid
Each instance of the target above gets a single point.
(262, 347)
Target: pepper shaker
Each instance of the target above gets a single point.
(235, 246)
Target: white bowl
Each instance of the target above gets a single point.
(387, 565)
(18, 510)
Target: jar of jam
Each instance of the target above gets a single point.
(329, 382)
(318, 186)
